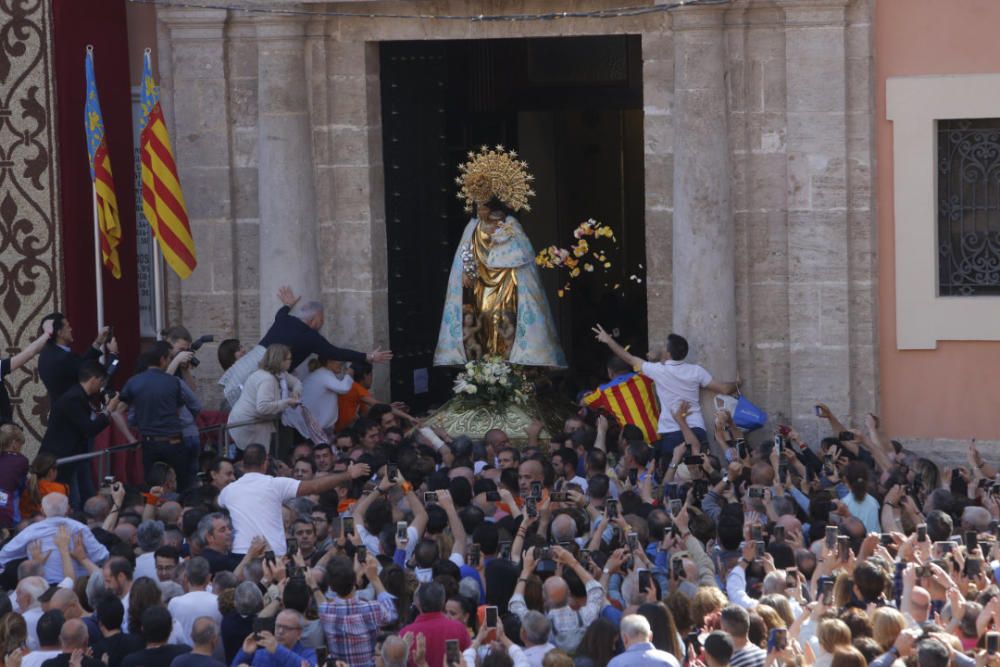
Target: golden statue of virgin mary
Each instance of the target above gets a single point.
(495, 304)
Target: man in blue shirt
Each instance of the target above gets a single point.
(639, 650)
(155, 398)
(282, 649)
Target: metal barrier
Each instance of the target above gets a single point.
(221, 442)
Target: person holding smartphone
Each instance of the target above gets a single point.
(434, 625)
(566, 622)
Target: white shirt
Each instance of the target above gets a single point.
(145, 566)
(677, 381)
(254, 504)
(536, 654)
(189, 607)
(31, 620)
(125, 601)
(319, 394)
(37, 657)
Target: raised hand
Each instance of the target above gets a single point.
(287, 296)
(601, 335)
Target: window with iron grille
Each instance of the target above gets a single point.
(968, 207)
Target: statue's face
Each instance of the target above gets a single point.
(483, 212)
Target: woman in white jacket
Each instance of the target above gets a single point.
(266, 394)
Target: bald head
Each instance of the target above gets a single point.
(528, 472)
(73, 636)
(394, 653)
(65, 600)
(170, 513)
(496, 438)
(920, 604)
(556, 592)
(762, 474)
(126, 533)
(563, 528)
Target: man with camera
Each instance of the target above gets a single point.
(155, 398)
(76, 417)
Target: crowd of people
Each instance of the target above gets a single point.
(625, 539)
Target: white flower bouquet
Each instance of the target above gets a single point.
(493, 380)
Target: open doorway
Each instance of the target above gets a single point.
(572, 107)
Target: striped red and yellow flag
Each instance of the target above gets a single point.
(162, 199)
(106, 203)
(631, 398)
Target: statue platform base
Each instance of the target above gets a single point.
(461, 416)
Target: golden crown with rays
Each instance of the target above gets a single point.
(495, 173)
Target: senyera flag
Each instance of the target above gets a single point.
(108, 225)
(162, 199)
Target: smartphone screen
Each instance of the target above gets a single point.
(756, 534)
(451, 649)
(348, 525)
(828, 592)
(921, 532)
(632, 541)
(474, 551)
(677, 567)
(645, 580)
(778, 535)
(992, 642)
(491, 617)
(831, 537)
(362, 554)
(971, 541)
(844, 548)
(612, 507)
(675, 506)
(401, 530)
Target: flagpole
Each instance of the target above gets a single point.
(98, 261)
(157, 287)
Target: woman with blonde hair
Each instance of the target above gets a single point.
(847, 656)
(13, 633)
(887, 623)
(13, 473)
(266, 394)
(706, 604)
(833, 634)
(772, 619)
(41, 482)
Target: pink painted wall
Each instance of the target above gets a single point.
(953, 391)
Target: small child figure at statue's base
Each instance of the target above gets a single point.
(470, 327)
(508, 329)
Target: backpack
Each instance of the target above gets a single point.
(569, 640)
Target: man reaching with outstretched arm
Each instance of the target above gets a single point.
(676, 381)
(296, 325)
(254, 500)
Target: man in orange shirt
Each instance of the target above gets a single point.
(358, 399)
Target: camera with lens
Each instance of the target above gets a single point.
(195, 346)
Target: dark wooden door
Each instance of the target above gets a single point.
(418, 230)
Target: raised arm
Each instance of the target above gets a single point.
(329, 482)
(457, 529)
(25, 355)
(623, 354)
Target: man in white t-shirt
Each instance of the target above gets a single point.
(254, 500)
(676, 381)
(197, 601)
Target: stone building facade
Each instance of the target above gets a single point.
(757, 121)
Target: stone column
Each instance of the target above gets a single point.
(818, 248)
(704, 303)
(286, 191)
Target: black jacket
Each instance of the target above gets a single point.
(71, 425)
(59, 368)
